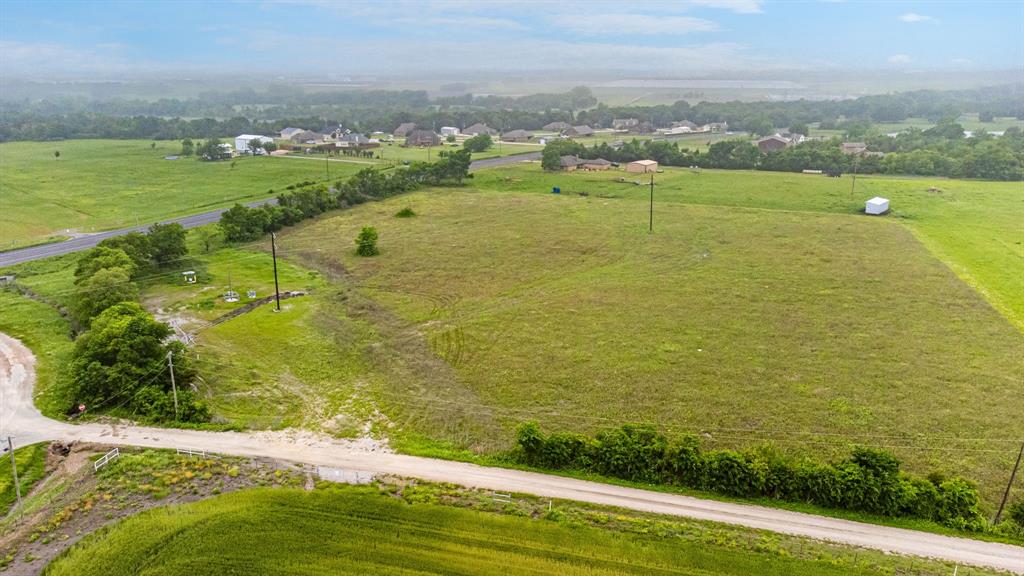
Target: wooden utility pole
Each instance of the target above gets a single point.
(273, 251)
(174, 387)
(650, 225)
(1013, 476)
(14, 470)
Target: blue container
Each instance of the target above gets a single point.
(556, 190)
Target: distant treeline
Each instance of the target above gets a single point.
(220, 113)
(939, 151)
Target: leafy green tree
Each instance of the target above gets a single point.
(102, 257)
(450, 138)
(208, 236)
(479, 143)
(136, 246)
(241, 224)
(167, 242)
(56, 155)
(554, 151)
(799, 128)
(366, 242)
(452, 168)
(188, 147)
(101, 290)
(210, 150)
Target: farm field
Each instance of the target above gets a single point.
(104, 184)
(747, 325)
(361, 531)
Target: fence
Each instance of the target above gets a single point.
(112, 455)
(503, 498)
(199, 453)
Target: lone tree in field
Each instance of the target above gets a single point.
(366, 242)
(56, 155)
(187, 147)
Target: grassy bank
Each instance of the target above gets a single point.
(31, 461)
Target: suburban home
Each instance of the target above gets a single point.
(404, 129)
(333, 132)
(642, 128)
(594, 164)
(854, 148)
(773, 143)
(556, 126)
(422, 138)
(579, 131)
(624, 123)
(715, 127)
(242, 142)
(516, 136)
(449, 131)
(793, 138)
(307, 137)
(642, 166)
(478, 128)
(355, 140)
(568, 163)
(287, 133)
(685, 126)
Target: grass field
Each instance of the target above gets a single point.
(361, 531)
(31, 462)
(104, 184)
(810, 330)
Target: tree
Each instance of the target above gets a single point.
(208, 235)
(101, 290)
(136, 246)
(167, 242)
(478, 143)
(102, 257)
(799, 128)
(241, 224)
(269, 146)
(554, 150)
(255, 146)
(152, 145)
(56, 155)
(210, 150)
(450, 138)
(187, 147)
(366, 242)
(122, 361)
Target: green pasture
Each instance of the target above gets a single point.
(103, 184)
(762, 319)
(361, 531)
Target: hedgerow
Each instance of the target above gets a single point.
(869, 480)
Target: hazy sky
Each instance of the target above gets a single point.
(304, 37)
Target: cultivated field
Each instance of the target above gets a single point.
(104, 184)
(779, 322)
(360, 531)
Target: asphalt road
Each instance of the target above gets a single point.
(85, 242)
(20, 418)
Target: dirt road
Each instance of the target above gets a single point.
(19, 417)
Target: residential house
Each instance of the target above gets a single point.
(578, 131)
(854, 148)
(333, 132)
(568, 163)
(449, 131)
(715, 127)
(404, 129)
(684, 126)
(642, 166)
(642, 128)
(624, 123)
(355, 140)
(556, 126)
(287, 133)
(594, 164)
(773, 143)
(478, 128)
(516, 136)
(307, 137)
(422, 138)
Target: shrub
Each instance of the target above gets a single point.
(1016, 512)
(366, 242)
(405, 213)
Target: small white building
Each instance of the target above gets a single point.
(642, 166)
(876, 206)
(449, 131)
(242, 142)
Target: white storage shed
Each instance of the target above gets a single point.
(877, 205)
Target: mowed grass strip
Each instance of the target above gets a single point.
(810, 331)
(103, 184)
(31, 461)
(286, 531)
(973, 226)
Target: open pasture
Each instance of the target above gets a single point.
(98, 185)
(807, 330)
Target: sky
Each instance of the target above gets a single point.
(338, 39)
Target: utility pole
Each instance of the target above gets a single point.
(1013, 476)
(273, 251)
(14, 470)
(651, 224)
(174, 387)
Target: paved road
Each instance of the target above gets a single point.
(19, 417)
(85, 242)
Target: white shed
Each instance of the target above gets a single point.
(242, 141)
(877, 205)
(449, 131)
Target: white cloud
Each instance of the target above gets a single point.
(469, 22)
(605, 24)
(961, 61)
(737, 6)
(900, 59)
(915, 17)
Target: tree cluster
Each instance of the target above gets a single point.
(868, 481)
(242, 224)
